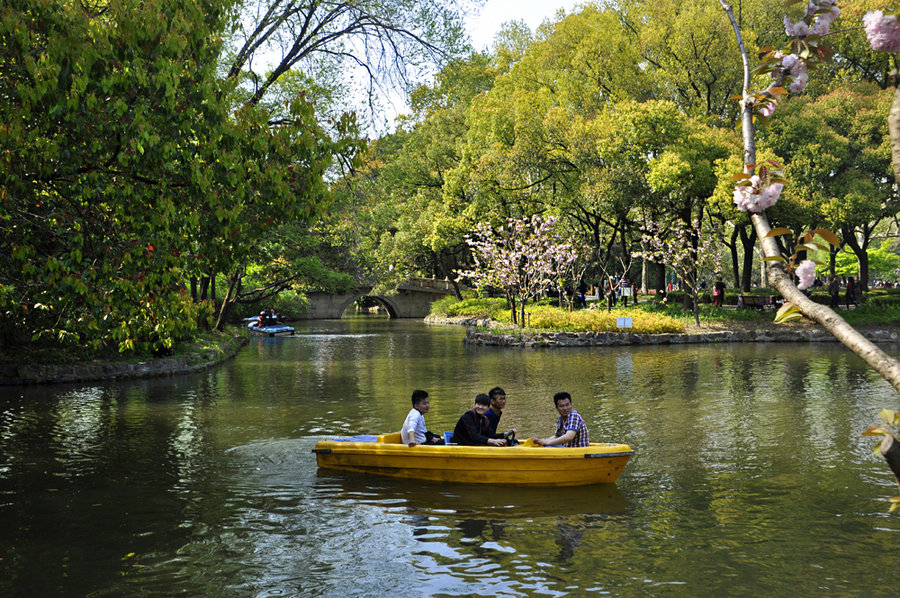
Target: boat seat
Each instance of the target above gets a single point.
(392, 438)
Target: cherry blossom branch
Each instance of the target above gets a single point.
(886, 366)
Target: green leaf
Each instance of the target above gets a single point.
(774, 258)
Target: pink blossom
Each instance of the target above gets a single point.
(800, 81)
(883, 31)
(806, 272)
(795, 68)
(823, 21)
(799, 29)
(789, 61)
(753, 198)
(768, 108)
(813, 21)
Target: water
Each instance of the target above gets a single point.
(750, 477)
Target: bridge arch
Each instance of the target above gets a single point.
(411, 299)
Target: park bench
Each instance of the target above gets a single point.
(756, 301)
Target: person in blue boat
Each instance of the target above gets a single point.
(414, 431)
(473, 428)
(571, 431)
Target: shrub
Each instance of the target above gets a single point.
(590, 320)
(489, 307)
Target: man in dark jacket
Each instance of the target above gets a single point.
(473, 428)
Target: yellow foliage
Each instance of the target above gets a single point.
(589, 320)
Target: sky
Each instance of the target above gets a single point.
(483, 27)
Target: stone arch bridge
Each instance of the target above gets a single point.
(411, 299)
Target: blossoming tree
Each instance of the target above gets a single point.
(524, 258)
(757, 190)
(683, 248)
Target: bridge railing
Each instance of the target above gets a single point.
(429, 283)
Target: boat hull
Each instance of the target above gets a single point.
(523, 465)
(278, 330)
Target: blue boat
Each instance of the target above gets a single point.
(270, 330)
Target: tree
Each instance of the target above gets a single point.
(104, 109)
(838, 161)
(685, 50)
(683, 248)
(127, 169)
(386, 40)
(523, 258)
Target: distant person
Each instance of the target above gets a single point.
(719, 292)
(498, 404)
(473, 428)
(571, 431)
(834, 289)
(850, 295)
(414, 431)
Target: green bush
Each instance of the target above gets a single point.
(488, 307)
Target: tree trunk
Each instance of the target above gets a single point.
(890, 450)
(860, 250)
(748, 241)
(696, 305)
(659, 277)
(735, 268)
(234, 289)
(645, 274)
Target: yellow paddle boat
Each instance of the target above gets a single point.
(526, 464)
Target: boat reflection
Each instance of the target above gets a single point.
(471, 501)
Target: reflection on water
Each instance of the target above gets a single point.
(750, 477)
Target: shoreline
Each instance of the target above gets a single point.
(190, 363)
(478, 333)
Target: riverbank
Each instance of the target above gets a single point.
(192, 358)
(486, 332)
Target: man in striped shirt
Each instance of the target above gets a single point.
(570, 427)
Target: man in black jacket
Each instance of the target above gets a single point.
(473, 428)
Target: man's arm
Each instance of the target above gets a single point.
(569, 436)
(411, 424)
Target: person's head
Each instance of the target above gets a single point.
(420, 401)
(563, 402)
(498, 399)
(482, 403)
